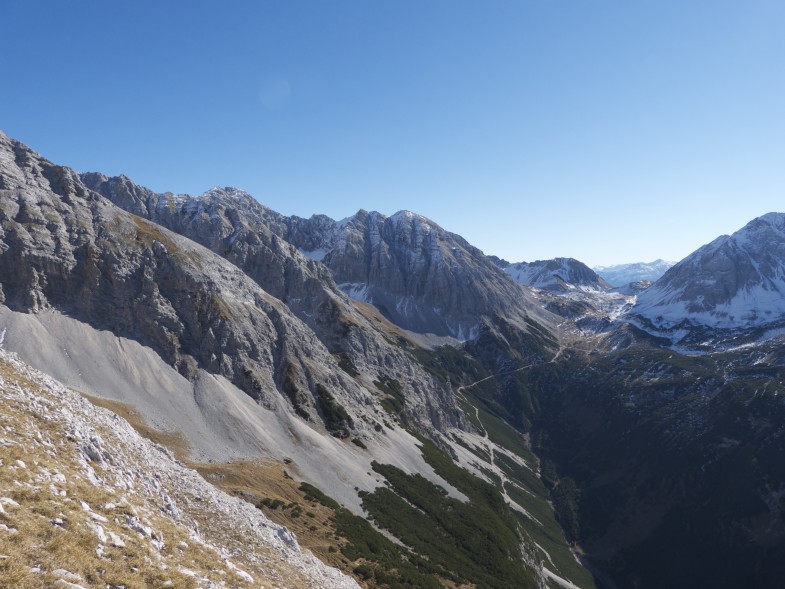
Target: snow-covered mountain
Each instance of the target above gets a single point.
(622, 274)
(558, 275)
(736, 281)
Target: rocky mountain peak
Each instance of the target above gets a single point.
(419, 275)
(558, 275)
(408, 217)
(735, 281)
(228, 192)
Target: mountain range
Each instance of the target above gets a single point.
(418, 413)
(621, 274)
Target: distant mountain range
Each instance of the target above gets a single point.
(420, 413)
(623, 274)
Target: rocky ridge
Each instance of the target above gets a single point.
(420, 276)
(250, 236)
(557, 275)
(67, 248)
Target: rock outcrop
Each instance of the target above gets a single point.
(65, 247)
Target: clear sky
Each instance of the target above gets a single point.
(606, 130)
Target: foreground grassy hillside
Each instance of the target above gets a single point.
(85, 502)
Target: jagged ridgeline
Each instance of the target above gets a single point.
(418, 413)
(231, 329)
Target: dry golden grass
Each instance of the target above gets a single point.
(310, 520)
(373, 315)
(147, 232)
(174, 441)
(35, 545)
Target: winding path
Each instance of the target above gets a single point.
(490, 446)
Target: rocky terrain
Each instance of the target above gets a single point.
(198, 313)
(421, 277)
(422, 414)
(67, 251)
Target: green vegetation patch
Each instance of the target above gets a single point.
(528, 491)
(336, 418)
(451, 364)
(394, 403)
(378, 561)
(476, 542)
(346, 364)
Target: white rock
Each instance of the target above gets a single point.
(98, 517)
(67, 585)
(99, 531)
(239, 572)
(67, 575)
(116, 540)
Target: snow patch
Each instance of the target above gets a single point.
(317, 254)
(357, 291)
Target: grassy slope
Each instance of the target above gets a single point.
(46, 527)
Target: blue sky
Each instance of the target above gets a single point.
(609, 131)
